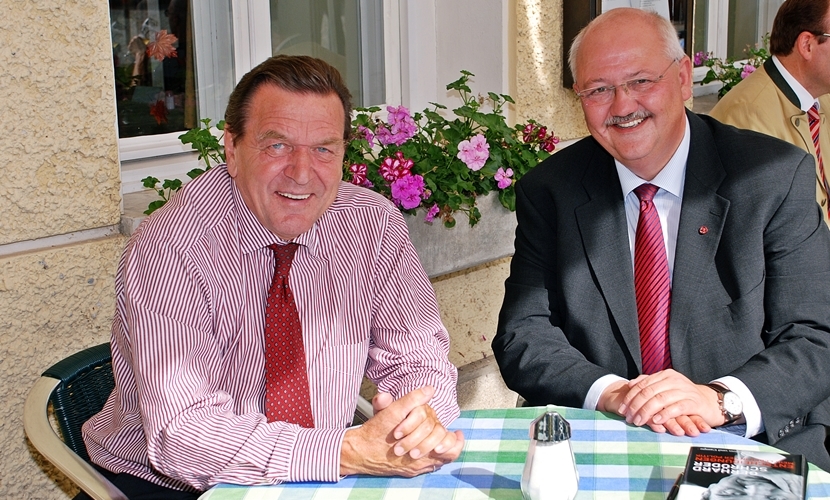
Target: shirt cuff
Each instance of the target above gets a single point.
(752, 413)
(316, 455)
(596, 390)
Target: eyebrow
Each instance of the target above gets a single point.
(273, 134)
(598, 82)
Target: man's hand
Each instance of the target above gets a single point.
(614, 396)
(404, 438)
(670, 401)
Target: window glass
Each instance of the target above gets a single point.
(744, 23)
(348, 34)
(748, 23)
(152, 54)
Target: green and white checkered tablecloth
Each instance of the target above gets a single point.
(615, 460)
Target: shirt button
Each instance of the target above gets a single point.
(781, 433)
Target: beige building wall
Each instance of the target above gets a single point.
(60, 200)
(60, 183)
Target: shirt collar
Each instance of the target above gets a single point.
(670, 178)
(254, 236)
(804, 97)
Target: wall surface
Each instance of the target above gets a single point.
(57, 104)
(60, 177)
(539, 67)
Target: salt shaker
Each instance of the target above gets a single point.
(550, 470)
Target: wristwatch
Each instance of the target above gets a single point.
(729, 402)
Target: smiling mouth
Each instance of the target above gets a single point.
(292, 196)
(630, 124)
(628, 121)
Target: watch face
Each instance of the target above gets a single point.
(732, 403)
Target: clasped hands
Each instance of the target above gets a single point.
(403, 438)
(666, 401)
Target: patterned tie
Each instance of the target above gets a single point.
(651, 284)
(287, 396)
(815, 121)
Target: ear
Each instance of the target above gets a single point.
(685, 66)
(230, 153)
(804, 45)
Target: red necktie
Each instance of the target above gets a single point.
(651, 284)
(815, 121)
(287, 396)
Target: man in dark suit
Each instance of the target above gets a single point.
(669, 268)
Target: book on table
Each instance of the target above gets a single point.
(719, 473)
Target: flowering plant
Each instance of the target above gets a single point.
(442, 165)
(730, 72)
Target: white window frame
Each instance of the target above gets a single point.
(717, 22)
(164, 156)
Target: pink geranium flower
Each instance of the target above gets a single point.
(367, 134)
(748, 70)
(504, 177)
(401, 127)
(431, 213)
(474, 153)
(393, 168)
(408, 191)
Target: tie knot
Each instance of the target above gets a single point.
(284, 255)
(646, 192)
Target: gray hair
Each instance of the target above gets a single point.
(664, 28)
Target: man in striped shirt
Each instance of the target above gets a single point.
(187, 339)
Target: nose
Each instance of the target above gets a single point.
(299, 166)
(623, 103)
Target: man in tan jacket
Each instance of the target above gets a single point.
(776, 99)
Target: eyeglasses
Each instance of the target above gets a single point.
(599, 96)
(324, 153)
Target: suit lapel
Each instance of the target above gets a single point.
(603, 228)
(702, 218)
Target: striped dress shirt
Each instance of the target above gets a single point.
(188, 346)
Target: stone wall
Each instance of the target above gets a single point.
(61, 182)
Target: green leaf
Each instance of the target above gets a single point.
(154, 205)
(149, 182)
(196, 172)
(507, 197)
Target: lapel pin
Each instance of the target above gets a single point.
(703, 230)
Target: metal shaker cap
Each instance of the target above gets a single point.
(550, 427)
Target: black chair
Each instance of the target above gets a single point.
(77, 387)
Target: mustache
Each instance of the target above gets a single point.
(637, 115)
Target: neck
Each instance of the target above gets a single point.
(799, 68)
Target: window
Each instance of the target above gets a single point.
(176, 62)
(726, 27)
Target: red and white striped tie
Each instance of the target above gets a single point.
(652, 285)
(815, 121)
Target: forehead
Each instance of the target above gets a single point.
(297, 115)
(609, 53)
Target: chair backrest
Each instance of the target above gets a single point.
(86, 382)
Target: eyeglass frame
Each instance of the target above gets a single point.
(582, 93)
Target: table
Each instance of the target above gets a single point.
(615, 460)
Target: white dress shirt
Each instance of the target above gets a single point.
(668, 202)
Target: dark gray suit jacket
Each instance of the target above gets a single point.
(750, 292)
